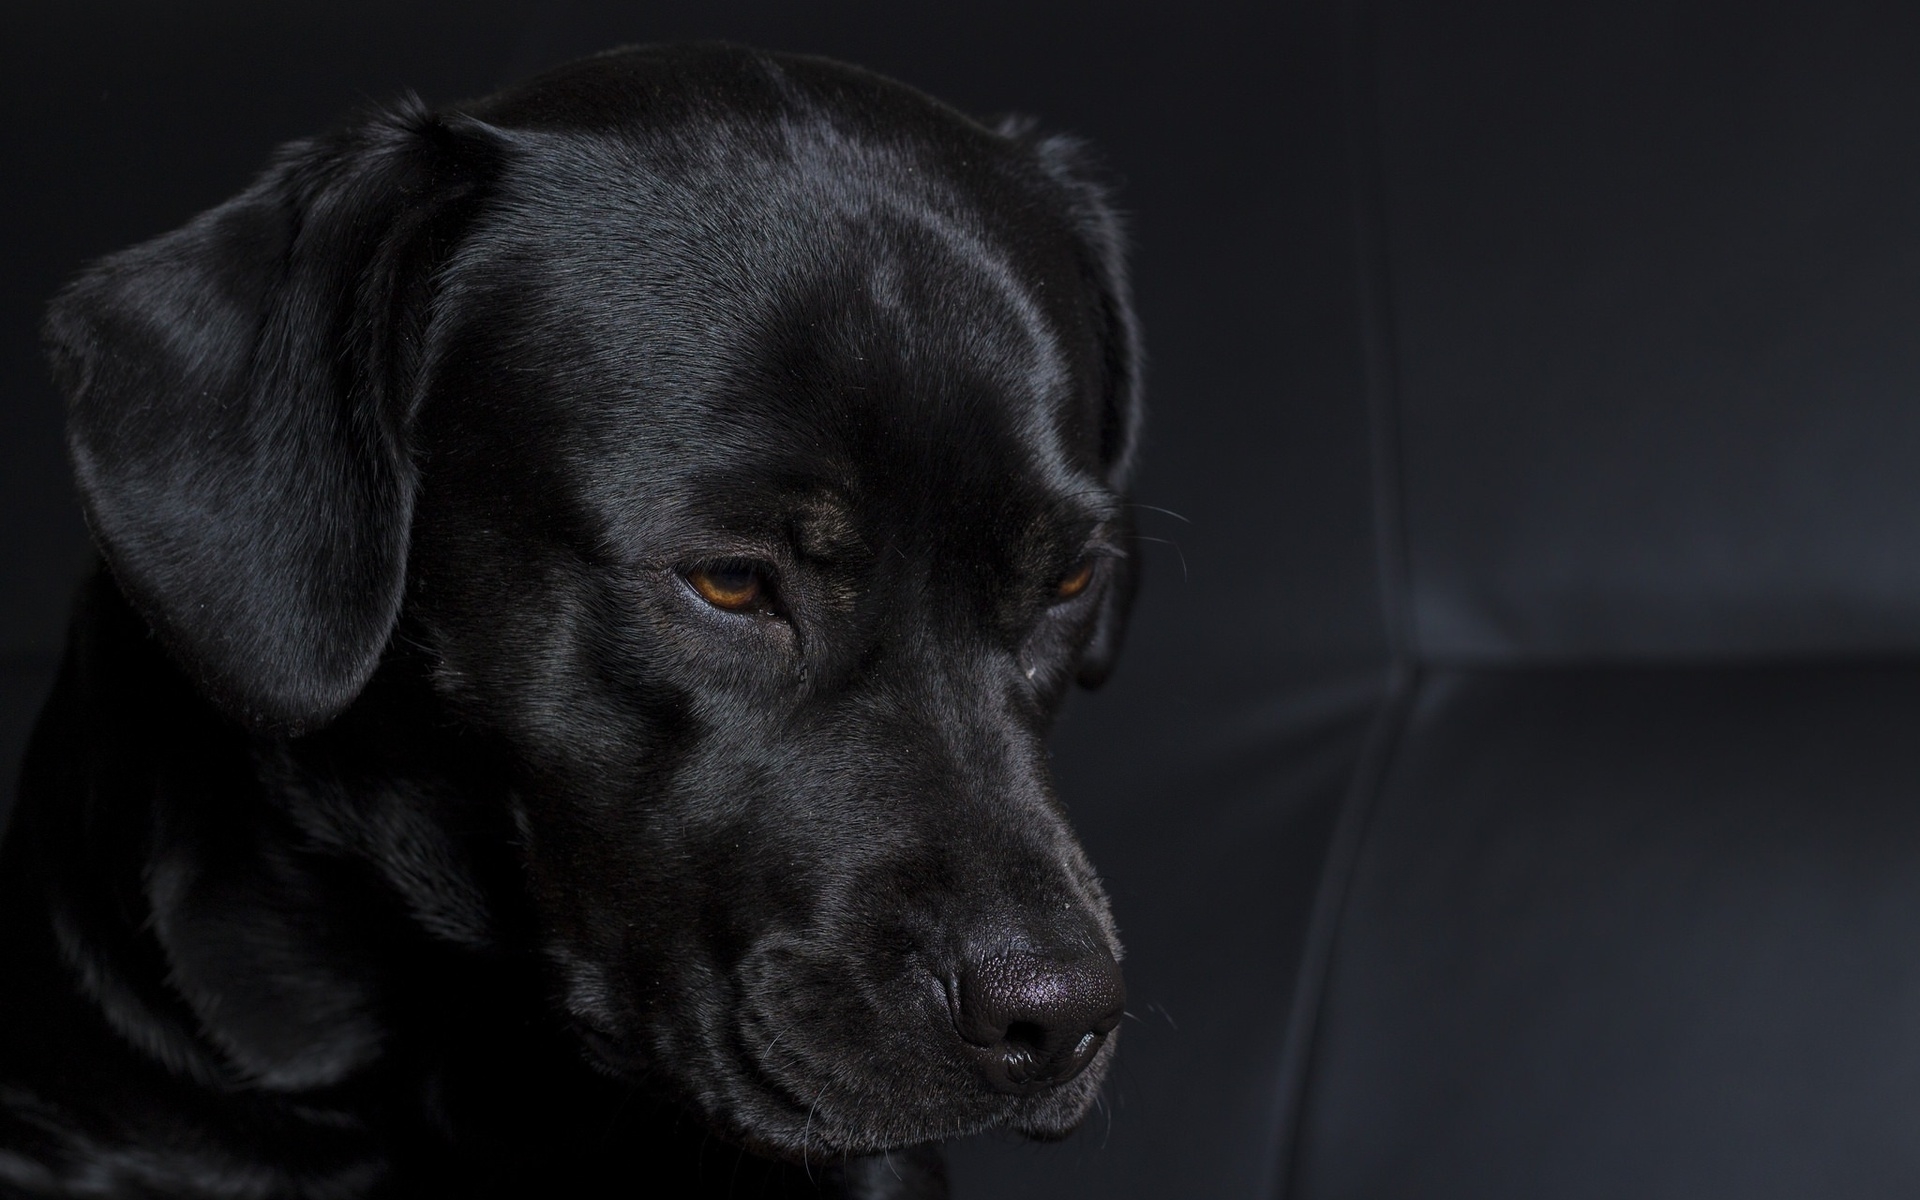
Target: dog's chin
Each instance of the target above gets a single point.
(742, 1103)
(1061, 1111)
(881, 1123)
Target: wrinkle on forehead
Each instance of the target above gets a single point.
(824, 526)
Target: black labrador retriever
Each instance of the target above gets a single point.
(587, 577)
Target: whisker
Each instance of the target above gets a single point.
(1107, 1105)
(1176, 549)
(1156, 508)
(806, 1159)
(733, 1179)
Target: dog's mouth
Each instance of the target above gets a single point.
(820, 1067)
(815, 1112)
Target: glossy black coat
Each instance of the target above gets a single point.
(403, 817)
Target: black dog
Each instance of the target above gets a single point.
(587, 577)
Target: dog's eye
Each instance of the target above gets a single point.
(1075, 582)
(730, 587)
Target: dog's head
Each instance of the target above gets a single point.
(741, 441)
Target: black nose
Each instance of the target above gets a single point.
(1033, 1021)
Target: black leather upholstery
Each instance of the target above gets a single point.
(1633, 907)
(1655, 281)
(1631, 932)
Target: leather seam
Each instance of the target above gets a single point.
(1318, 957)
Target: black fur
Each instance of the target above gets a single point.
(404, 822)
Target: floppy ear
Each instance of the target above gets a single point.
(1104, 260)
(239, 397)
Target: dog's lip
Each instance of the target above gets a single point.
(606, 1052)
(612, 1055)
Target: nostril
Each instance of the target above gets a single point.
(1034, 1021)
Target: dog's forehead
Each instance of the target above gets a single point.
(795, 312)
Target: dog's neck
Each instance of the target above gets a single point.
(188, 965)
(202, 893)
(277, 953)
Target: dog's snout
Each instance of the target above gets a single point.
(1033, 1021)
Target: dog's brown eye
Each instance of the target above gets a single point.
(727, 586)
(1076, 581)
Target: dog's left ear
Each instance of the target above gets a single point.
(240, 395)
(1104, 258)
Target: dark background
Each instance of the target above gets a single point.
(1537, 388)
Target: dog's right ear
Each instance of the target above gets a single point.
(240, 393)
